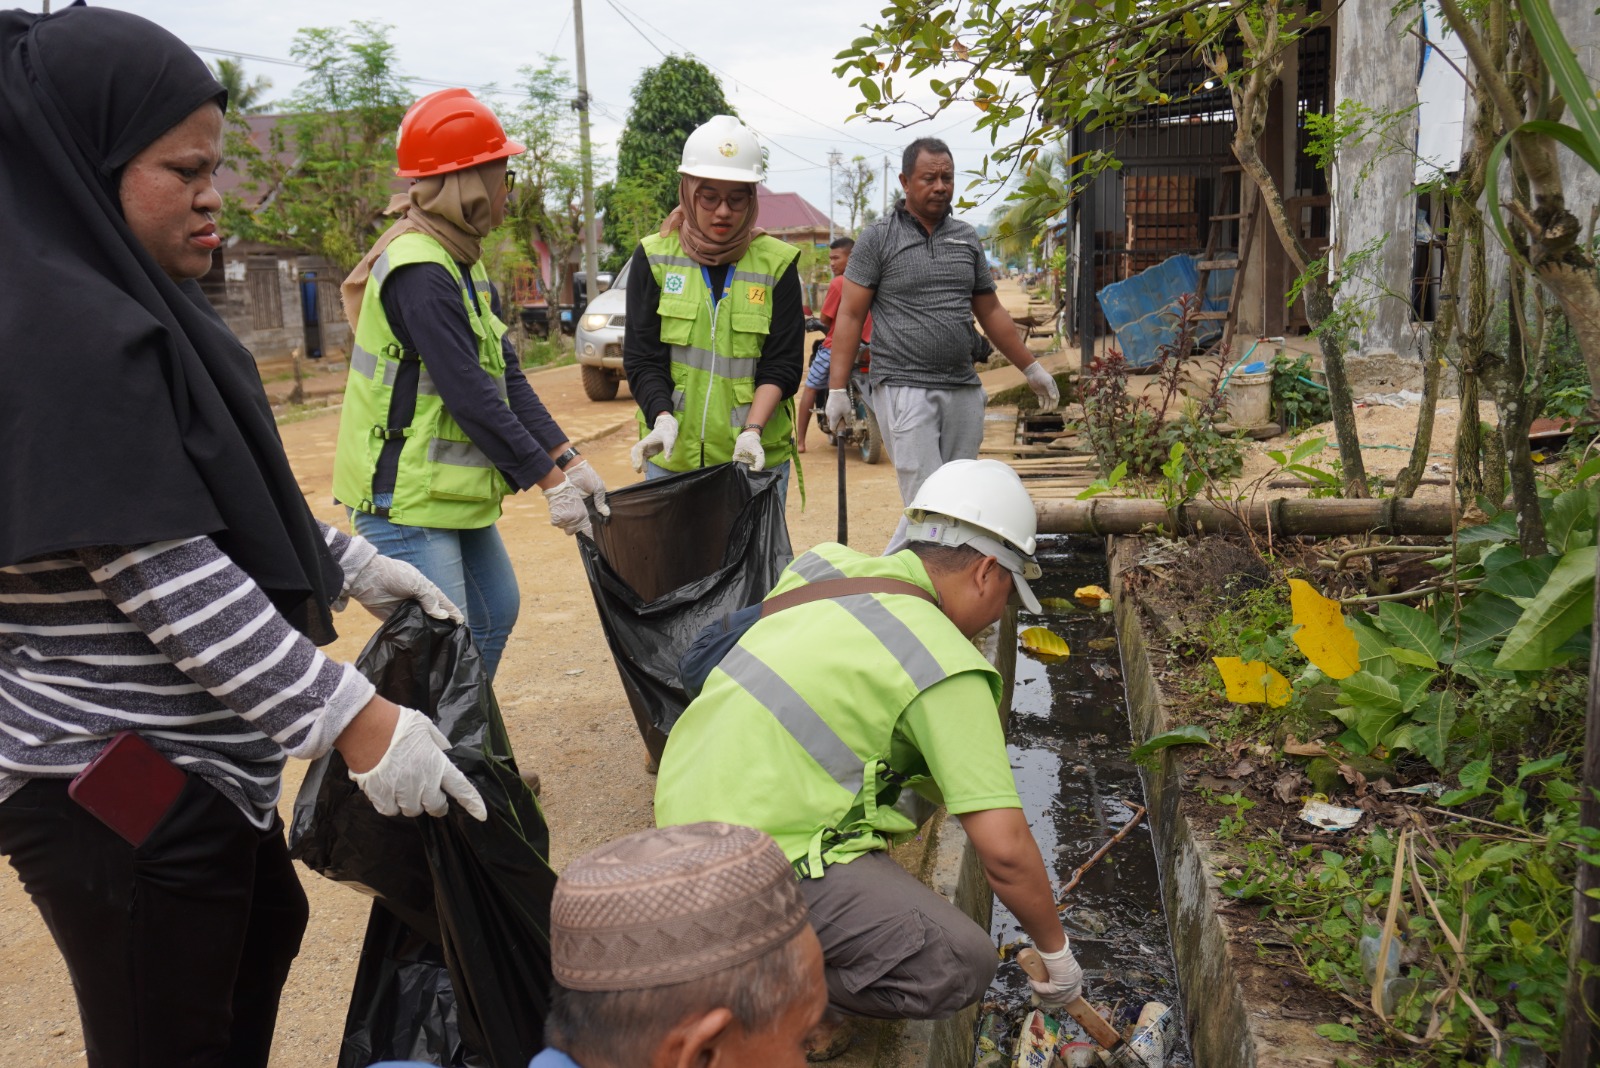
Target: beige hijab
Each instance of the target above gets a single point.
(455, 209)
(701, 247)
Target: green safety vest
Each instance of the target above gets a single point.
(792, 731)
(714, 351)
(443, 479)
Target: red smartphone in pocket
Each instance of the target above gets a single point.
(129, 787)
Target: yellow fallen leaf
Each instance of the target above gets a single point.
(1252, 682)
(1090, 596)
(1323, 635)
(1043, 642)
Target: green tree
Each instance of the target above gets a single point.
(853, 189)
(329, 169)
(246, 95)
(548, 204)
(669, 101)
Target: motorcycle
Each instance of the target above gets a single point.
(861, 430)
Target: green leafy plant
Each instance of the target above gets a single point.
(1137, 428)
(1299, 398)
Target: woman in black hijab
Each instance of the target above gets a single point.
(160, 574)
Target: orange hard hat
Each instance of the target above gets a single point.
(450, 130)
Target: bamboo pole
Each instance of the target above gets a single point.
(1125, 515)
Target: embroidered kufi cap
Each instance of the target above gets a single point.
(671, 905)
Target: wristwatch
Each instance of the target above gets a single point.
(566, 458)
(757, 427)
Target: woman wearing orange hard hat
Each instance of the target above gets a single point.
(439, 422)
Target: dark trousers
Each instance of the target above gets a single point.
(892, 949)
(179, 949)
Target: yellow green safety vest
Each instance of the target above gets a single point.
(792, 731)
(714, 351)
(443, 479)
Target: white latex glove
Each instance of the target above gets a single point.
(567, 510)
(837, 409)
(1043, 385)
(659, 440)
(415, 776)
(386, 583)
(1066, 978)
(747, 450)
(587, 479)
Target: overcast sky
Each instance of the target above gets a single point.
(774, 59)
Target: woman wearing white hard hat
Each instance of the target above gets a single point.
(716, 327)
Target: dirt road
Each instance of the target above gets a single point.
(558, 689)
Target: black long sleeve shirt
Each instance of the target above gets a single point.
(647, 360)
(428, 317)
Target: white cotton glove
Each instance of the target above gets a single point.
(567, 510)
(1066, 978)
(386, 583)
(1043, 385)
(660, 440)
(747, 450)
(837, 410)
(587, 479)
(415, 776)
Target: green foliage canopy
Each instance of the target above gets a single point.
(669, 101)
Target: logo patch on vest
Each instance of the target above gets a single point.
(673, 282)
(758, 294)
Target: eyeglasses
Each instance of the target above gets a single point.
(711, 200)
(511, 180)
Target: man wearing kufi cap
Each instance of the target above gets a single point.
(682, 946)
(825, 711)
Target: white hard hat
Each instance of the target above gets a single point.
(723, 147)
(981, 503)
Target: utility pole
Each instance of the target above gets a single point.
(886, 186)
(834, 158)
(591, 255)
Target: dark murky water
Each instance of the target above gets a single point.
(1069, 746)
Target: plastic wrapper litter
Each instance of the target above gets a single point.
(675, 555)
(455, 969)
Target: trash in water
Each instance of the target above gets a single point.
(1044, 642)
(1090, 596)
(1328, 817)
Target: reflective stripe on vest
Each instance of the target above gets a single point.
(440, 479)
(888, 628)
(798, 718)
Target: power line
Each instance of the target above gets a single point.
(650, 40)
(738, 81)
(484, 90)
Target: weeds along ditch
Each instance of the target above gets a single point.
(1069, 743)
(1431, 698)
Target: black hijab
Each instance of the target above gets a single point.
(129, 413)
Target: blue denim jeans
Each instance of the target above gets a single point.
(470, 566)
(652, 472)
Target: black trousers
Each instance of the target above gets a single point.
(179, 949)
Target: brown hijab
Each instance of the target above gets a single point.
(455, 209)
(702, 247)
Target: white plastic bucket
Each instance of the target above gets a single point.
(1249, 399)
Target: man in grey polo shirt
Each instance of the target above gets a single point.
(923, 275)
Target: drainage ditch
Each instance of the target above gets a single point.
(1069, 741)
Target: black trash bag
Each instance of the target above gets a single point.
(677, 554)
(456, 964)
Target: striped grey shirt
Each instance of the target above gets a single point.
(174, 641)
(922, 332)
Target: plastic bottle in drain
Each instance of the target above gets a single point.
(1396, 987)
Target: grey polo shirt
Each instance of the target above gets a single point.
(922, 333)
